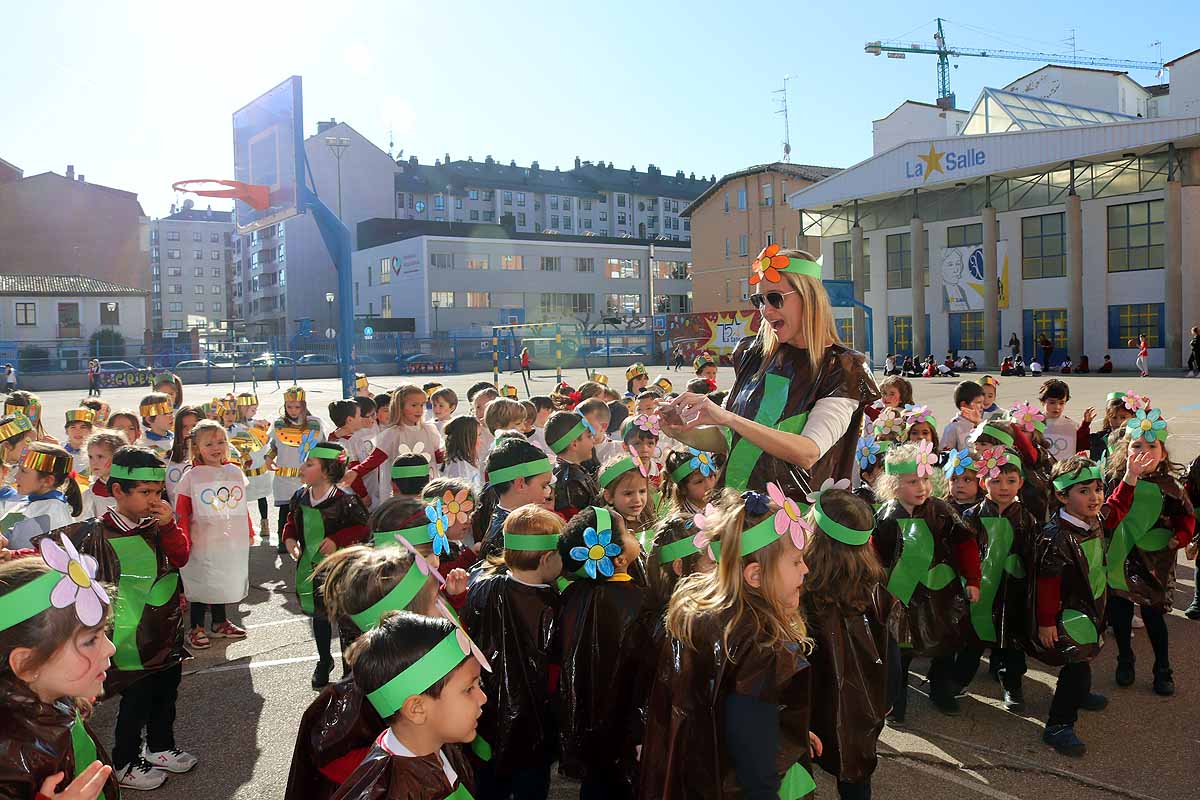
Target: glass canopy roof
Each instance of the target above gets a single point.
(998, 111)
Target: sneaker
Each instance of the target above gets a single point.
(895, 719)
(1063, 739)
(1095, 702)
(1137, 621)
(1193, 610)
(141, 777)
(197, 639)
(1191, 374)
(320, 676)
(173, 760)
(1125, 673)
(1164, 681)
(227, 630)
(1014, 700)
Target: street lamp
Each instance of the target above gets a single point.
(436, 303)
(337, 145)
(329, 302)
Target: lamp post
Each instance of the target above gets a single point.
(329, 302)
(436, 303)
(337, 145)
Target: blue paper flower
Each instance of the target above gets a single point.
(597, 553)
(702, 462)
(1149, 426)
(589, 426)
(868, 451)
(958, 462)
(439, 523)
(308, 441)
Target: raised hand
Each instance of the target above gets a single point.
(87, 786)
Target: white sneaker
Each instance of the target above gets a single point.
(141, 777)
(176, 760)
(1137, 621)
(1191, 374)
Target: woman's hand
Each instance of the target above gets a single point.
(694, 410)
(87, 786)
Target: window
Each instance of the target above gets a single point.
(175, 288)
(217, 289)
(214, 255)
(488, 194)
(966, 331)
(172, 253)
(479, 299)
(154, 253)
(172, 236)
(521, 199)
(385, 270)
(176, 324)
(175, 307)
(174, 272)
(845, 328)
(899, 266)
(843, 269)
(110, 314)
(1137, 236)
(566, 204)
(562, 304)
(551, 264)
(507, 198)
(197, 237)
(727, 248)
(672, 270)
(512, 262)
(26, 313)
(477, 262)
(567, 225)
(620, 201)
(197, 255)
(585, 265)
(964, 235)
(727, 202)
(743, 245)
(385, 306)
(1127, 322)
(900, 335)
(473, 194)
(770, 239)
(587, 223)
(439, 202)
(198, 272)
(1043, 246)
(768, 194)
(198, 308)
(521, 219)
(741, 199)
(216, 272)
(441, 260)
(586, 205)
(620, 217)
(624, 268)
(458, 202)
(443, 299)
(490, 216)
(617, 305)
(554, 220)
(216, 306)
(1049, 321)
(197, 289)
(554, 202)
(474, 215)
(604, 216)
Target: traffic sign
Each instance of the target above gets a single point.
(170, 334)
(368, 332)
(330, 333)
(660, 322)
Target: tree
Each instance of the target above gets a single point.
(107, 344)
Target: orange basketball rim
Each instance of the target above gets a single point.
(255, 196)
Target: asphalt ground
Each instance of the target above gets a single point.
(240, 701)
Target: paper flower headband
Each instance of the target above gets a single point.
(769, 265)
(914, 414)
(1147, 425)
(1028, 417)
(958, 462)
(991, 459)
(70, 583)
(868, 452)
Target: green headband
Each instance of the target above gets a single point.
(410, 471)
(395, 600)
(676, 550)
(415, 536)
(837, 530)
(525, 470)
(425, 672)
(1064, 482)
(615, 471)
(756, 538)
(26, 602)
(680, 473)
(532, 542)
(1114, 396)
(899, 467)
(326, 452)
(564, 441)
(138, 473)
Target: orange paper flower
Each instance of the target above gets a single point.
(767, 265)
(458, 506)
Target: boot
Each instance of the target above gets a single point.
(1164, 682)
(1193, 610)
(1095, 702)
(945, 702)
(320, 676)
(1125, 671)
(264, 530)
(1063, 739)
(1014, 699)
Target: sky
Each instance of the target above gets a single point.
(137, 95)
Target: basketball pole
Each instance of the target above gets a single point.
(336, 236)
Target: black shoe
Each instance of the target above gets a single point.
(1095, 702)
(895, 719)
(1164, 683)
(320, 676)
(1014, 699)
(1063, 739)
(1125, 674)
(945, 703)
(1193, 610)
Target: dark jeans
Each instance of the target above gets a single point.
(941, 677)
(526, 783)
(197, 611)
(149, 703)
(1074, 683)
(1120, 616)
(854, 791)
(1009, 664)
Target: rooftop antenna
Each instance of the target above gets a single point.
(1161, 68)
(787, 139)
(391, 141)
(1071, 41)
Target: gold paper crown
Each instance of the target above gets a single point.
(508, 391)
(252, 400)
(360, 380)
(663, 383)
(81, 415)
(600, 379)
(15, 427)
(149, 410)
(295, 393)
(431, 388)
(637, 370)
(703, 360)
(38, 461)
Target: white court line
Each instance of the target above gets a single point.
(276, 622)
(951, 775)
(279, 662)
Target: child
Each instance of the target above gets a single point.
(52, 662)
(168, 383)
(126, 423)
(510, 610)
(479, 396)
(383, 409)
(625, 489)
(158, 417)
(962, 479)
(99, 408)
(691, 477)
(968, 399)
(571, 437)
(320, 519)
(1192, 485)
(443, 402)
(636, 379)
(845, 608)
(926, 547)
(734, 672)
(425, 686)
(179, 459)
(991, 388)
(250, 438)
(346, 416)
(97, 498)
(503, 414)
(409, 432)
(531, 413)
(869, 458)
(516, 474)
(29, 404)
(596, 412)
(210, 504)
(292, 436)
(410, 474)
(459, 502)
(17, 432)
(140, 549)
(595, 614)
(52, 496)
(359, 584)
(1119, 408)
(1005, 531)
(1141, 553)
(462, 449)
(1060, 430)
(79, 428)
(545, 407)
(641, 436)
(920, 425)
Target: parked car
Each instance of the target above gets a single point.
(317, 358)
(420, 357)
(270, 359)
(618, 351)
(119, 366)
(372, 358)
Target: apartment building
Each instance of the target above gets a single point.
(191, 253)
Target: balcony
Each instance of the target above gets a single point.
(68, 330)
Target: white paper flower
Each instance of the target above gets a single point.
(78, 586)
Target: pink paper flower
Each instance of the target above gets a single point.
(990, 460)
(703, 521)
(465, 642)
(926, 459)
(1026, 416)
(918, 413)
(649, 423)
(77, 587)
(788, 518)
(1134, 401)
(422, 564)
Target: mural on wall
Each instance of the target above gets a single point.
(962, 277)
(715, 332)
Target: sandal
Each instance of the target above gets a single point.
(197, 639)
(227, 630)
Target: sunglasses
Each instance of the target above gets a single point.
(774, 298)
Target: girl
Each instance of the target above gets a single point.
(253, 432)
(1035, 493)
(1143, 356)
(625, 489)
(735, 668)
(846, 608)
(596, 612)
(869, 459)
(292, 436)
(210, 503)
(127, 423)
(462, 442)
(691, 477)
(53, 658)
(52, 496)
(97, 498)
(169, 384)
(641, 436)
(1141, 553)
(409, 429)
(962, 479)
(894, 392)
(359, 585)
(926, 547)
(30, 405)
(179, 460)
(1118, 410)
(16, 434)
(459, 501)
(229, 412)
(921, 425)
(320, 519)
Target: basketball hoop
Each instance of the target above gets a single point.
(257, 197)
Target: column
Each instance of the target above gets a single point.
(1173, 276)
(857, 260)
(1074, 211)
(917, 244)
(991, 291)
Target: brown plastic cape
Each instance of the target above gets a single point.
(1061, 550)
(849, 676)
(574, 487)
(1150, 574)
(383, 776)
(1005, 577)
(36, 742)
(792, 387)
(933, 621)
(339, 511)
(339, 722)
(593, 620)
(638, 662)
(512, 624)
(683, 752)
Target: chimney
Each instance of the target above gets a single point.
(534, 167)
(412, 160)
(576, 162)
(70, 172)
(489, 161)
(447, 158)
(81, 180)
(324, 125)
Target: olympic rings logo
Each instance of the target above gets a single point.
(175, 474)
(223, 498)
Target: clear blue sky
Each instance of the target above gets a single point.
(137, 95)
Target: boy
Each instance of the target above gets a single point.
(410, 475)
(382, 409)
(79, 428)
(97, 498)
(139, 549)
(479, 396)
(572, 438)
(1061, 431)
(636, 379)
(347, 416)
(968, 399)
(706, 370)
(598, 415)
(362, 388)
(962, 473)
(158, 418)
(520, 474)
(100, 408)
(990, 387)
(545, 407)
(443, 402)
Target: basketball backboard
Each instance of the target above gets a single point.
(268, 150)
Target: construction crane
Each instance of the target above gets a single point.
(945, 99)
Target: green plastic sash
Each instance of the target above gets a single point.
(314, 534)
(796, 783)
(915, 564)
(1093, 550)
(136, 589)
(745, 454)
(481, 748)
(1077, 625)
(999, 560)
(461, 793)
(1136, 531)
(82, 746)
